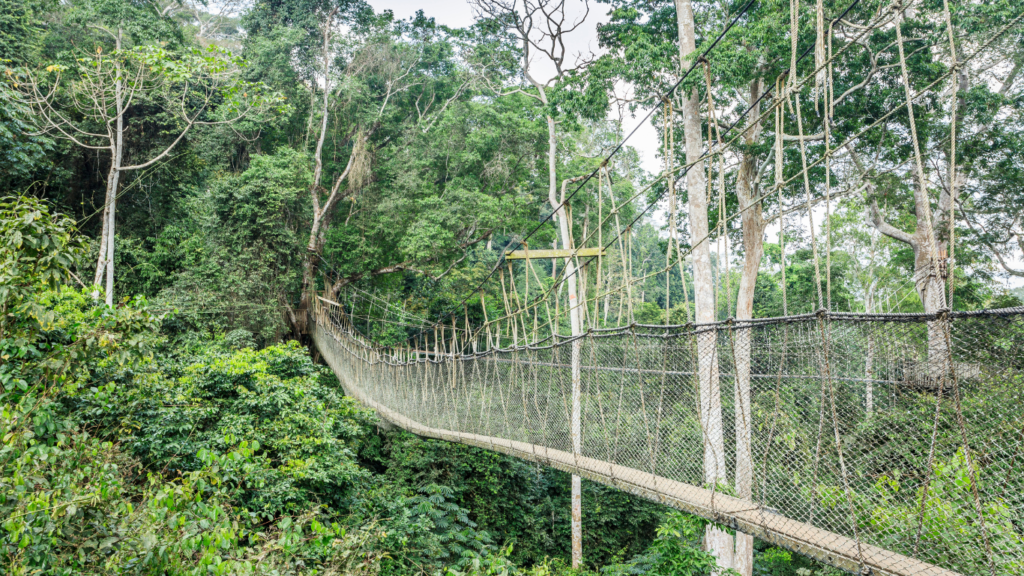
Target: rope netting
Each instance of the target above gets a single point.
(876, 443)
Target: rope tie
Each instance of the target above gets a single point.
(807, 191)
(820, 76)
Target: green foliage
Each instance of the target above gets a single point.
(513, 501)
(430, 534)
(19, 30)
(949, 503)
(275, 397)
(20, 152)
(141, 443)
(74, 504)
(234, 255)
(37, 250)
(51, 336)
(648, 313)
(495, 564)
(802, 285)
(677, 551)
(773, 562)
(950, 520)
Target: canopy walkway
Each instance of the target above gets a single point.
(876, 443)
(870, 454)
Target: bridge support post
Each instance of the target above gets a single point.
(577, 449)
(575, 311)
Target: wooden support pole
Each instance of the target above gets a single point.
(562, 253)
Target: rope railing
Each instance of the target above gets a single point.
(926, 479)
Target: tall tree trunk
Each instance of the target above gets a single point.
(576, 323)
(106, 259)
(927, 278)
(931, 289)
(930, 285)
(101, 259)
(317, 231)
(869, 363)
(109, 298)
(753, 224)
(719, 542)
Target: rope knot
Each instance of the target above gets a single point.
(821, 313)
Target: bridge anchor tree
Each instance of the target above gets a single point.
(718, 541)
(375, 74)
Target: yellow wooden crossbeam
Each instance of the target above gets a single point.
(521, 254)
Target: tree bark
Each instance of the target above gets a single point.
(927, 249)
(753, 224)
(109, 296)
(101, 260)
(869, 363)
(576, 324)
(930, 285)
(717, 541)
(106, 258)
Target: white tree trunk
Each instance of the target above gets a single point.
(717, 542)
(101, 260)
(115, 174)
(704, 293)
(109, 296)
(575, 321)
(869, 363)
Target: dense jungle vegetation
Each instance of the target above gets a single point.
(133, 446)
(179, 178)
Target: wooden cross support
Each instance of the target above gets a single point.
(583, 252)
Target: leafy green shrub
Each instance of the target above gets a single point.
(427, 533)
(949, 526)
(239, 338)
(307, 430)
(73, 505)
(774, 562)
(516, 502)
(677, 551)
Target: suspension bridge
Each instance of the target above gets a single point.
(876, 443)
(927, 481)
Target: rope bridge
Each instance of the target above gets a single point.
(870, 453)
(876, 443)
